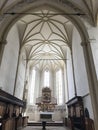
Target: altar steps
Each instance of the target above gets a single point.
(48, 124)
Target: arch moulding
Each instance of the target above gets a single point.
(9, 21)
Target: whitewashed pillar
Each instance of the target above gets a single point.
(92, 79)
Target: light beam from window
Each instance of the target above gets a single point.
(32, 87)
(59, 87)
(46, 78)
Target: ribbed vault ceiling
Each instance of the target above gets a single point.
(90, 7)
(46, 37)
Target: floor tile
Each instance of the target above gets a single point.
(47, 128)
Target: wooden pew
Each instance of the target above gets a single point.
(8, 124)
(24, 121)
(89, 124)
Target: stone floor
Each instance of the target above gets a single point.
(47, 128)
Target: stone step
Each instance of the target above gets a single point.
(47, 124)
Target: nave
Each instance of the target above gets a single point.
(51, 45)
(47, 128)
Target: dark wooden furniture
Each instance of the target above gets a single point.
(11, 109)
(24, 121)
(89, 124)
(76, 113)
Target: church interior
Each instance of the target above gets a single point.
(49, 64)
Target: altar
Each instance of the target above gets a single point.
(46, 104)
(46, 116)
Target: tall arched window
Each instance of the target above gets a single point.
(32, 86)
(46, 78)
(59, 87)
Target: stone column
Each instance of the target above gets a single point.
(54, 85)
(63, 86)
(39, 93)
(16, 73)
(2, 45)
(75, 89)
(66, 84)
(92, 79)
(25, 91)
(27, 83)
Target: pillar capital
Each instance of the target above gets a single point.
(85, 43)
(3, 42)
(2, 45)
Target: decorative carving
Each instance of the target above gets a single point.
(76, 113)
(46, 95)
(3, 42)
(46, 102)
(84, 43)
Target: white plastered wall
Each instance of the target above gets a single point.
(93, 37)
(93, 34)
(79, 65)
(19, 87)
(70, 75)
(9, 61)
(80, 72)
